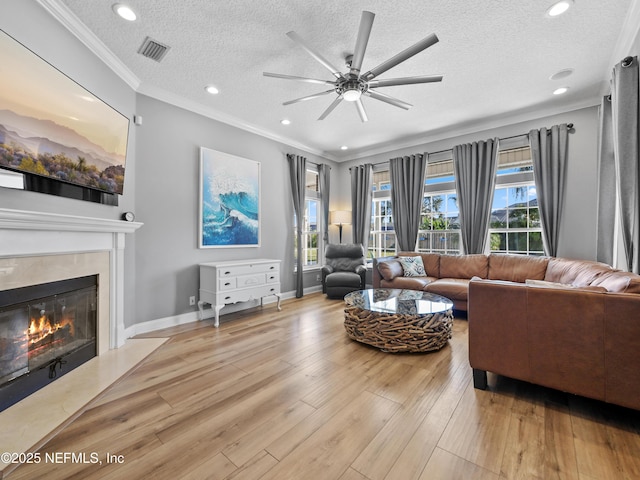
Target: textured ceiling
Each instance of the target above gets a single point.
(496, 58)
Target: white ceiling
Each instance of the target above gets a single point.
(496, 58)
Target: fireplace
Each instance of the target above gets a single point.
(41, 247)
(46, 330)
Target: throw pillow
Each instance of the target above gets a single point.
(412, 266)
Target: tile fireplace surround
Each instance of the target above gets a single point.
(44, 247)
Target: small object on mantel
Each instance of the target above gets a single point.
(128, 216)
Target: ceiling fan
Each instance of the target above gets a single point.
(352, 85)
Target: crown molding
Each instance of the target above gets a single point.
(68, 19)
(192, 106)
(71, 22)
(468, 128)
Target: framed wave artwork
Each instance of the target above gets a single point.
(229, 200)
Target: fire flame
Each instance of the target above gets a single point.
(41, 328)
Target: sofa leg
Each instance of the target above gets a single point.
(480, 379)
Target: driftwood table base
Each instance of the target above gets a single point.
(399, 332)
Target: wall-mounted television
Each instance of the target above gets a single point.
(54, 130)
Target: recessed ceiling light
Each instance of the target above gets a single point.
(344, 147)
(212, 90)
(285, 121)
(561, 74)
(560, 91)
(125, 11)
(559, 8)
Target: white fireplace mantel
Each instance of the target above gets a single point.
(27, 233)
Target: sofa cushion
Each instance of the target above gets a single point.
(410, 283)
(575, 272)
(545, 284)
(412, 266)
(464, 266)
(517, 268)
(620, 282)
(431, 262)
(390, 269)
(453, 288)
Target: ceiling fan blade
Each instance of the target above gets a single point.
(388, 99)
(333, 105)
(390, 82)
(298, 39)
(401, 57)
(366, 22)
(299, 79)
(308, 97)
(361, 111)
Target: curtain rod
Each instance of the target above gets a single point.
(569, 129)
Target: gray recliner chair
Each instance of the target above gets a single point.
(345, 269)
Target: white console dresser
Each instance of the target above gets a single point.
(223, 283)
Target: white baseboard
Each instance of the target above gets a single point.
(183, 318)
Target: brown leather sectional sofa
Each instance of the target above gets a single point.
(572, 325)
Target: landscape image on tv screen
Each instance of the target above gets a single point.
(53, 127)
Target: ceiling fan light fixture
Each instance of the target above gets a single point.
(352, 94)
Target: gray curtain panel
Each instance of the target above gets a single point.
(624, 98)
(474, 166)
(549, 154)
(324, 176)
(607, 191)
(407, 190)
(297, 175)
(361, 183)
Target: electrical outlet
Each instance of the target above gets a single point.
(192, 300)
(318, 278)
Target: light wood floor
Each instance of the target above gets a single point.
(286, 395)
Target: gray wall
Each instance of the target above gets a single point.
(578, 233)
(167, 252)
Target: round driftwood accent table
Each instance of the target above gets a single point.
(396, 320)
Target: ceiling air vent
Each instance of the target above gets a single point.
(152, 49)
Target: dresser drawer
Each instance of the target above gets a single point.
(243, 281)
(273, 277)
(227, 283)
(247, 294)
(248, 269)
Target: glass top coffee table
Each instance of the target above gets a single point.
(395, 320)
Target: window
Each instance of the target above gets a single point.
(515, 219)
(382, 236)
(312, 223)
(440, 225)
